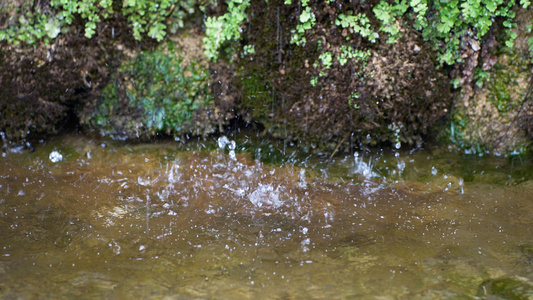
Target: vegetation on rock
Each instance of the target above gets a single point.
(33, 21)
(151, 93)
(493, 113)
(322, 72)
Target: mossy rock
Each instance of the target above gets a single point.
(156, 91)
(496, 114)
(314, 94)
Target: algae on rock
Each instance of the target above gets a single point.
(157, 91)
(497, 115)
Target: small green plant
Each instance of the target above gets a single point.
(326, 59)
(388, 15)
(225, 28)
(348, 53)
(307, 21)
(145, 17)
(448, 21)
(352, 100)
(314, 81)
(359, 24)
(480, 76)
(249, 49)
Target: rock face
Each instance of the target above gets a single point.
(338, 88)
(164, 90)
(329, 87)
(41, 85)
(44, 84)
(497, 114)
(507, 288)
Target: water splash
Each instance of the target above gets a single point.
(434, 171)
(461, 185)
(363, 168)
(222, 142)
(302, 178)
(55, 156)
(266, 195)
(400, 164)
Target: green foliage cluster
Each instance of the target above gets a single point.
(145, 17)
(326, 59)
(307, 21)
(225, 28)
(348, 52)
(444, 23)
(157, 85)
(358, 23)
(25, 26)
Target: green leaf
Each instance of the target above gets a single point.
(491, 6)
(89, 29)
(157, 31)
(52, 27)
(305, 15)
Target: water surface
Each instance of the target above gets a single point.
(202, 221)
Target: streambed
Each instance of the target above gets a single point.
(87, 218)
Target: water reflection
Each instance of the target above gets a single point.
(218, 222)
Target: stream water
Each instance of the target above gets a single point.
(216, 219)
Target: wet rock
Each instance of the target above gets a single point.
(42, 84)
(527, 249)
(393, 94)
(495, 114)
(162, 90)
(352, 249)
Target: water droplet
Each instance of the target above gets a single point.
(301, 178)
(55, 156)
(232, 155)
(461, 183)
(222, 142)
(232, 145)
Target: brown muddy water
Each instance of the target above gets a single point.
(86, 218)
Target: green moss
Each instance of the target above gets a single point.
(257, 95)
(505, 93)
(482, 124)
(454, 132)
(152, 93)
